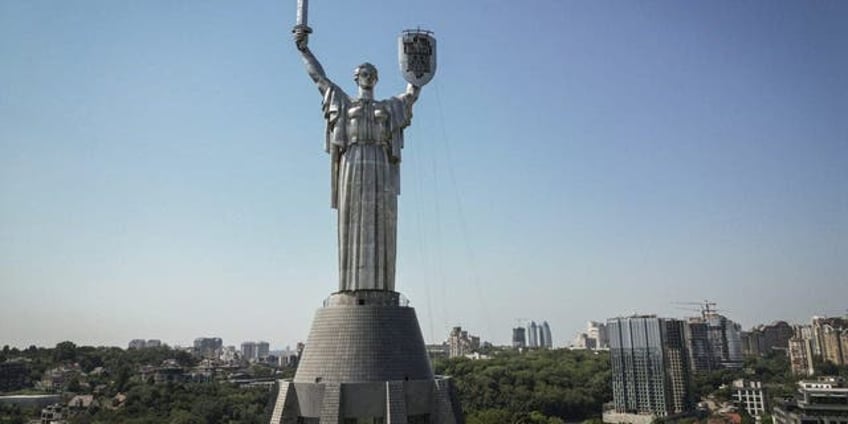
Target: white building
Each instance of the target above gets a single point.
(460, 343)
(824, 400)
(749, 395)
(598, 332)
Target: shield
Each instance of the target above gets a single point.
(417, 56)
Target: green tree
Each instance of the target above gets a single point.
(489, 416)
(560, 384)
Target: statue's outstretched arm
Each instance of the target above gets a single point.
(313, 67)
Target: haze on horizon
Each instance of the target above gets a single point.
(162, 172)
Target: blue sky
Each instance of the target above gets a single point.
(162, 172)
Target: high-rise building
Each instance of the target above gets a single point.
(519, 339)
(725, 340)
(263, 349)
(764, 339)
(806, 332)
(831, 346)
(249, 351)
(715, 341)
(154, 343)
(826, 343)
(650, 370)
(777, 335)
(208, 347)
(532, 335)
(801, 356)
(698, 344)
(750, 343)
(545, 336)
(460, 343)
(542, 341)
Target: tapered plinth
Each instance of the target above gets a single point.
(365, 358)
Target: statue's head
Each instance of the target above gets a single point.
(365, 75)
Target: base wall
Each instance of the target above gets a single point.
(352, 343)
(396, 402)
(365, 358)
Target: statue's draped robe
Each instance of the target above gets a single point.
(364, 139)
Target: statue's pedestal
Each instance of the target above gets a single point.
(365, 359)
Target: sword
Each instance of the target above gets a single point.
(302, 17)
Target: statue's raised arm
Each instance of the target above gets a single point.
(313, 67)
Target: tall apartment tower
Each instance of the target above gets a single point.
(650, 366)
(519, 340)
(545, 334)
(699, 346)
(208, 347)
(801, 356)
(532, 335)
(714, 342)
(263, 349)
(249, 351)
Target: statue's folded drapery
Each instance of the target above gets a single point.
(364, 139)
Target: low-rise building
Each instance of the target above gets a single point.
(824, 401)
(55, 379)
(53, 414)
(81, 402)
(750, 396)
(583, 341)
(597, 331)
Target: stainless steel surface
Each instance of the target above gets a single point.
(417, 56)
(301, 24)
(302, 12)
(364, 138)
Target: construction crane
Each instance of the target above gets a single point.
(706, 307)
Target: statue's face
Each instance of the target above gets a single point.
(366, 77)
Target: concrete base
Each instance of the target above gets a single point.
(365, 359)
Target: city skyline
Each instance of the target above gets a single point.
(573, 161)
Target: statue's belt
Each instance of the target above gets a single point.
(356, 140)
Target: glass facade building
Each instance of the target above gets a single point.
(650, 366)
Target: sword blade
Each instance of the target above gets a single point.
(302, 12)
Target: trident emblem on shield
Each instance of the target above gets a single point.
(417, 56)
